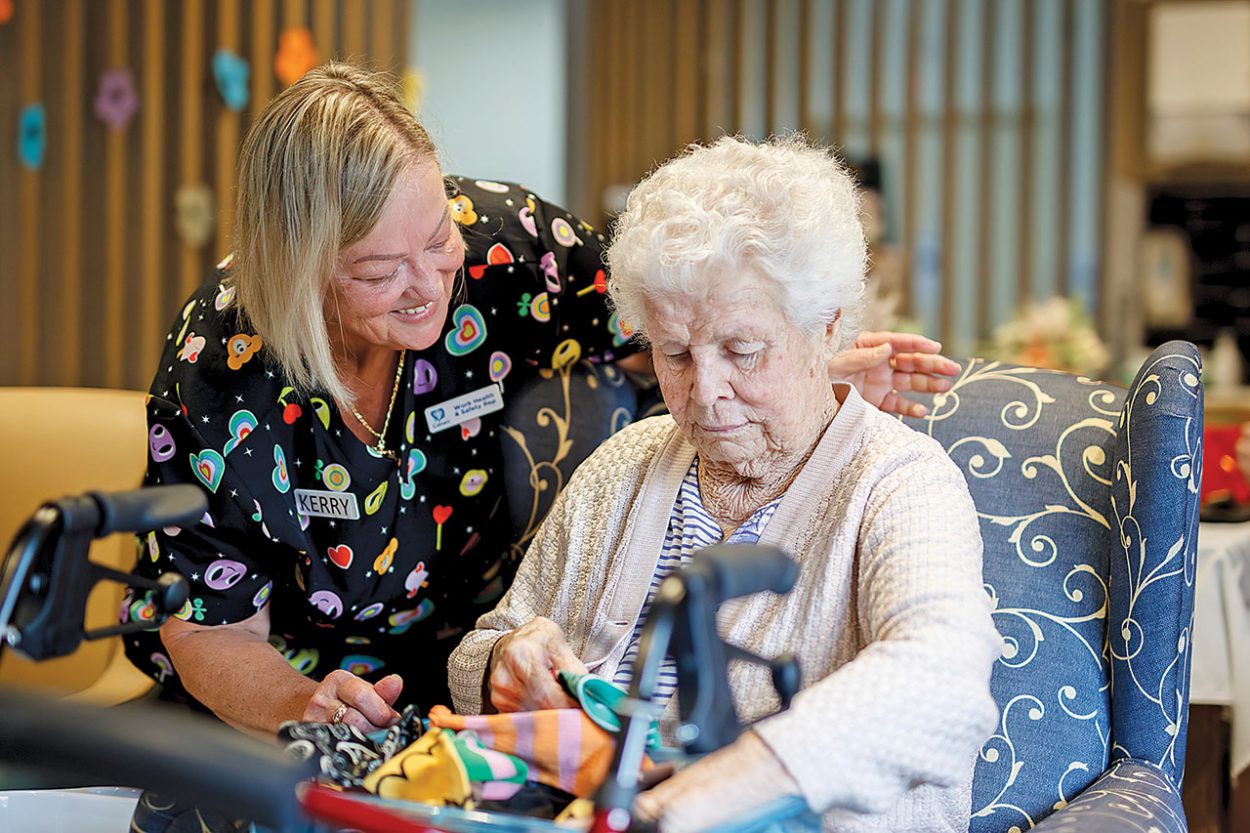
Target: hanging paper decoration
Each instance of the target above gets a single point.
(32, 136)
(231, 73)
(414, 89)
(116, 101)
(296, 55)
(194, 215)
(6, 11)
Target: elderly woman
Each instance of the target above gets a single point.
(743, 266)
(335, 394)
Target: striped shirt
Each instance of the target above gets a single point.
(690, 529)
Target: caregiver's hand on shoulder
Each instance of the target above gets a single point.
(722, 787)
(523, 666)
(881, 365)
(368, 706)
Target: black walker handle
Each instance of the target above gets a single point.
(46, 576)
(170, 752)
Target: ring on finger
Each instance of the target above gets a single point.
(339, 713)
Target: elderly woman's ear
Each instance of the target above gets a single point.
(881, 365)
(833, 334)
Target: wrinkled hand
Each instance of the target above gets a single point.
(523, 666)
(722, 787)
(881, 365)
(370, 706)
(1243, 450)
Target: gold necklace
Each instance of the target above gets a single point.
(380, 448)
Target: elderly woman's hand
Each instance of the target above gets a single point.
(722, 787)
(883, 364)
(353, 701)
(523, 665)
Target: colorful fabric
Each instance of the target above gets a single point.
(344, 755)
(348, 758)
(385, 554)
(564, 746)
(579, 810)
(499, 775)
(690, 529)
(428, 771)
(598, 698)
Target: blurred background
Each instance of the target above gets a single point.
(1062, 182)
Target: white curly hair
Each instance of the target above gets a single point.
(785, 208)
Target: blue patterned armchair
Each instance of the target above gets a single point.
(1088, 499)
(1088, 496)
(551, 425)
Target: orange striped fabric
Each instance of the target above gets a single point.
(564, 748)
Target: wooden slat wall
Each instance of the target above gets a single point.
(985, 143)
(951, 105)
(951, 195)
(29, 214)
(70, 353)
(90, 263)
(154, 202)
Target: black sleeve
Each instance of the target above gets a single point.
(224, 555)
(196, 433)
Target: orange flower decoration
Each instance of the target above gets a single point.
(6, 11)
(462, 209)
(296, 55)
(241, 348)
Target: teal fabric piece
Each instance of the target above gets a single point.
(598, 698)
(489, 766)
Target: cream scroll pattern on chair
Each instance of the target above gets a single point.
(1089, 547)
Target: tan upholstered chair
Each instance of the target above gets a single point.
(65, 441)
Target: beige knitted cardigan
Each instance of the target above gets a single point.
(889, 617)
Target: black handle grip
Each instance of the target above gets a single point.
(740, 570)
(165, 750)
(147, 509)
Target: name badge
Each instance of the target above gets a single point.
(316, 504)
(463, 408)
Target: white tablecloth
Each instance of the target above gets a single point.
(1221, 645)
(92, 810)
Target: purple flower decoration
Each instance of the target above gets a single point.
(231, 73)
(116, 101)
(32, 136)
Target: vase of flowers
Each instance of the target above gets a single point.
(1055, 334)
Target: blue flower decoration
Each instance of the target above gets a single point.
(32, 136)
(231, 73)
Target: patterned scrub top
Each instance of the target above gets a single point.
(391, 589)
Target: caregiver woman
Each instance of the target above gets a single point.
(334, 393)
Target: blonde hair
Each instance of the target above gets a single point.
(315, 172)
(784, 207)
